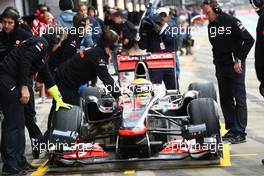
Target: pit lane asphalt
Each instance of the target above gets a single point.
(245, 159)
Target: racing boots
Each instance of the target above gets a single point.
(228, 135)
(238, 139)
(234, 138)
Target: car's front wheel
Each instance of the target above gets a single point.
(205, 111)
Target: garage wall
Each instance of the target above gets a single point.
(18, 4)
(53, 5)
(6, 3)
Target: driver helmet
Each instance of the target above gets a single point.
(142, 87)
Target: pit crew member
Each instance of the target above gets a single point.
(11, 37)
(16, 71)
(156, 37)
(259, 49)
(84, 67)
(231, 44)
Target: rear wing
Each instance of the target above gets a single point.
(154, 61)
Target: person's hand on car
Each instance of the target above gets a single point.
(55, 93)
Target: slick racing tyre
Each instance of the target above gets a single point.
(67, 119)
(206, 90)
(205, 111)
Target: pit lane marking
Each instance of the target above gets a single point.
(225, 160)
(129, 172)
(43, 168)
(244, 155)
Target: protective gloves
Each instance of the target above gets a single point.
(261, 89)
(55, 93)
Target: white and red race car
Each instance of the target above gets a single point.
(154, 124)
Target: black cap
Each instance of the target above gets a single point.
(117, 14)
(66, 5)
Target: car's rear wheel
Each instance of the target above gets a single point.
(206, 90)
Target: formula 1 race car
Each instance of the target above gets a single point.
(154, 123)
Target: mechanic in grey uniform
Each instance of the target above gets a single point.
(231, 44)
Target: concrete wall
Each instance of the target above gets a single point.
(19, 6)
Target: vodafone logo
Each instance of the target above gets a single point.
(152, 57)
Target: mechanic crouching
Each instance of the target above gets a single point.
(16, 70)
(231, 44)
(84, 67)
(156, 37)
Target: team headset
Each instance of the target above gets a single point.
(257, 4)
(14, 12)
(213, 3)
